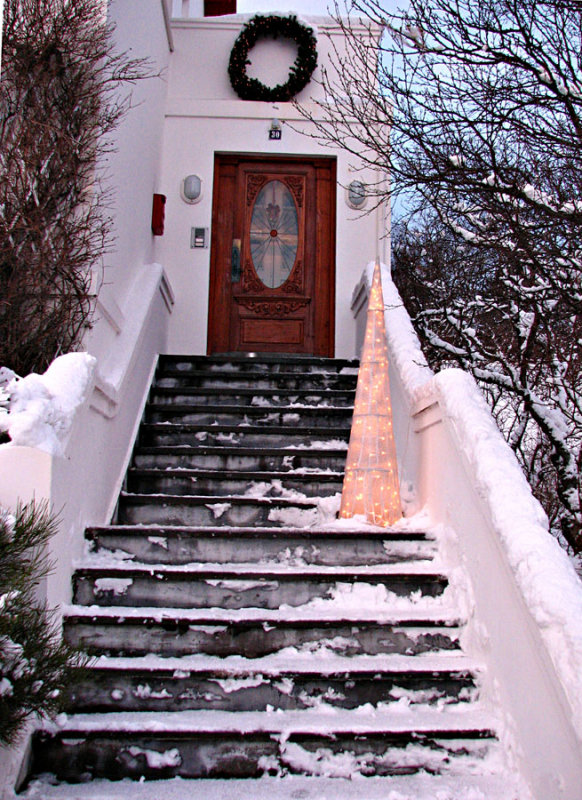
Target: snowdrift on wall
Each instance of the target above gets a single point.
(42, 407)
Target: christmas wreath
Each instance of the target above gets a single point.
(272, 26)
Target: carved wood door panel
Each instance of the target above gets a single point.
(272, 259)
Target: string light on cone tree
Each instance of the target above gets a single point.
(371, 479)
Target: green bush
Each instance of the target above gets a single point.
(36, 666)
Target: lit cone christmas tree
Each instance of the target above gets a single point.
(371, 479)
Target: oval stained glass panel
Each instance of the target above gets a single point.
(274, 234)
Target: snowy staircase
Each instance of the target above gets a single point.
(243, 638)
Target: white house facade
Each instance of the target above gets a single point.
(236, 233)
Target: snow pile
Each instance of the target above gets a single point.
(113, 586)
(376, 599)
(42, 407)
(154, 759)
(218, 509)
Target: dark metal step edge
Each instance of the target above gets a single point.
(243, 391)
(234, 475)
(282, 430)
(172, 371)
(309, 382)
(193, 500)
(414, 733)
(250, 411)
(327, 383)
(116, 615)
(380, 673)
(227, 532)
(290, 574)
(214, 450)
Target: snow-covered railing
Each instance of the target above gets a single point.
(73, 428)
(527, 622)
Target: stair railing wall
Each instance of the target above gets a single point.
(83, 485)
(446, 442)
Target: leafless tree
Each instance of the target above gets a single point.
(474, 107)
(59, 99)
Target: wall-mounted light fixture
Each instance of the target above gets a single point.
(275, 131)
(191, 189)
(356, 196)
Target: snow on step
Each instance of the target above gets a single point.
(359, 721)
(235, 683)
(216, 546)
(291, 659)
(259, 571)
(117, 635)
(194, 586)
(409, 614)
(264, 397)
(218, 456)
(165, 509)
(293, 787)
(240, 631)
(219, 744)
(182, 480)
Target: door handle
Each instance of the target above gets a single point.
(235, 261)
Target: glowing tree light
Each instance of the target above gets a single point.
(371, 481)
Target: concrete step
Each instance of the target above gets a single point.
(252, 396)
(248, 745)
(193, 586)
(232, 510)
(238, 631)
(257, 363)
(322, 417)
(157, 687)
(218, 483)
(259, 381)
(283, 436)
(224, 545)
(177, 632)
(229, 458)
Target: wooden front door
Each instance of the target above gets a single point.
(272, 265)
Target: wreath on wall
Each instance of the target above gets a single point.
(272, 26)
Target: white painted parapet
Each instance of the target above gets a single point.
(82, 484)
(528, 598)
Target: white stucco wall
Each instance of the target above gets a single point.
(131, 171)
(205, 116)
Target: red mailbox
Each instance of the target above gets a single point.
(158, 214)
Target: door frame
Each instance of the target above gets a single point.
(223, 209)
